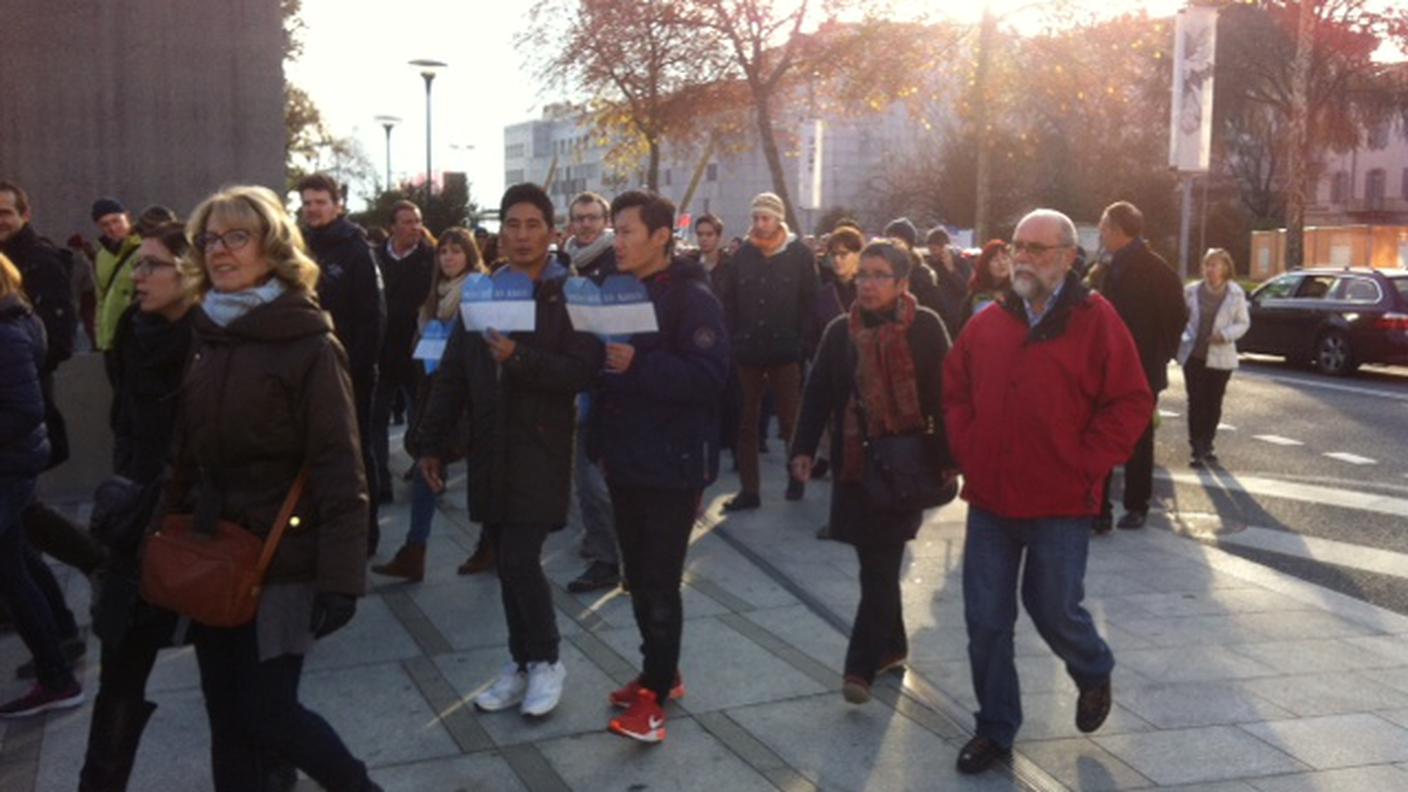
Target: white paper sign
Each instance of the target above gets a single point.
(621, 306)
(502, 302)
(431, 346)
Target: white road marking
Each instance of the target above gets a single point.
(1330, 551)
(1353, 459)
(1278, 440)
(1305, 493)
(1222, 427)
(1355, 389)
(1167, 414)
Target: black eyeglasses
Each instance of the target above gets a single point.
(232, 240)
(587, 218)
(148, 265)
(1034, 248)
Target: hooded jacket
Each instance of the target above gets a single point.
(265, 397)
(522, 418)
(24, 443)
(349, 288)
(657, 423)
(1037, 417)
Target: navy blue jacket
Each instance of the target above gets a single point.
(657, 424)
(24, 442)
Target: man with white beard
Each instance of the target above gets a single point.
(1041, 400)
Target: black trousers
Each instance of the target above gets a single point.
(878, 633)
(1206, 387)
(254, 711)
(121, 709)
(383, 404)
(527, 596)
(1138, 475)
(653, 527)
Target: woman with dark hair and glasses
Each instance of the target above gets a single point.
(878, 372)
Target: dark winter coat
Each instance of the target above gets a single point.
(768, 303)
(833, 300)
(349, 288)
(718, 274)
(522, 418)
(1038, 416)
(657, 423)
(951, 293)
(1149, 298)
(151, 354)
(263, 398)
(829, 389)
(48, 286)
(406, 282)
(24, 442)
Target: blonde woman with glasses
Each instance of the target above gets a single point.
(1217, 317)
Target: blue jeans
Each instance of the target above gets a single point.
(423, 502)
(594, 504)
(1053, 585)
(29, 609)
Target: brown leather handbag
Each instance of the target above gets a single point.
(212, 578)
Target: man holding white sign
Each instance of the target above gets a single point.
(655, 431)
(518, 388)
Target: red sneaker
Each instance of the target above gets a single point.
(627, 695)
(41, 699)
(644, 721)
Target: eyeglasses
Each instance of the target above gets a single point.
(148, 265)
(1034, 248)
(874, 277)
(232, 240)
(589, 218)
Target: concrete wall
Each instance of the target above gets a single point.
(149, 101)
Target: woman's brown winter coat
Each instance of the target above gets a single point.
(265, 397)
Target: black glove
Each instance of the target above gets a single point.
(331, 612)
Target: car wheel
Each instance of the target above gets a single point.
(1333, 355)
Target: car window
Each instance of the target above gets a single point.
(1402, 285)
(1363, 291)
(1315, 287)
(1280, 288)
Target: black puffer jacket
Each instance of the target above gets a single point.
(406, 283)
(768, 302)
(265, 397)
(24, 443)
(349, 288)
(522, 416)
(48, 285)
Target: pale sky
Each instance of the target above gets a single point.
(355, 57)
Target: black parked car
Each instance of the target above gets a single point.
(1333, 318)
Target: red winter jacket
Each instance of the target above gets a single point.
(1037, 417)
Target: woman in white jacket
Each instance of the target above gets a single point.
(1217, 317)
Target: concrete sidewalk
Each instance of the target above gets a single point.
(1230, 676)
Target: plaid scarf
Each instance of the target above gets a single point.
(886, 380)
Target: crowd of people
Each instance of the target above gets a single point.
(258, 361)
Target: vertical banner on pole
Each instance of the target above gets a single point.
(1190, 127)
(809, 168)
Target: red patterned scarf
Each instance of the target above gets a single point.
(887, 382)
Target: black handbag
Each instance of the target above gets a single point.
(901, 473)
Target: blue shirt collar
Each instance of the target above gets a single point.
(1033, 317)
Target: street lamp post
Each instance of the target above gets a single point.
(428, 70)
(387, 122)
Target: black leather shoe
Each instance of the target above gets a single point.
(1093, 707)
(1209, 457)
(796, 488)
(1132, 521)
(599, 575)
(742, 501)
(979, 754)
(1196, 462)
(1102, 525)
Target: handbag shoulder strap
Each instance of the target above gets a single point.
(864, 417)
(271, 544)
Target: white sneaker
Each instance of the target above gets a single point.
(544, 687)
(507, 690)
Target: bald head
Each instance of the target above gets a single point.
(1043, 250)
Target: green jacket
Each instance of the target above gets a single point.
(115, 287)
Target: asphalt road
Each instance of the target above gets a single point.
(1313, 478)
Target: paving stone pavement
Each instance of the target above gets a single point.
(1230, 677)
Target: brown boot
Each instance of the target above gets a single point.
(481, 561)
(409, 563)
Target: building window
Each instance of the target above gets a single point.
(514, 151)
(1339, 187)
(1378, 136)
(1375, 186)
(712, 172)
